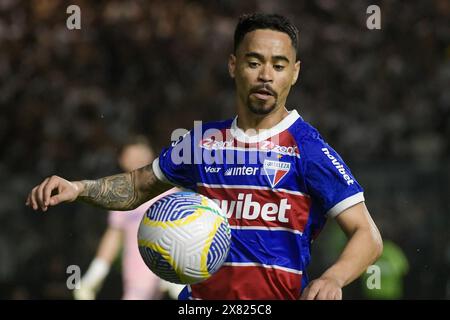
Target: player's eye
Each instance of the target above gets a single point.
(278, 67)
(253, 64)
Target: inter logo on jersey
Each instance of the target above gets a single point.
(241, 171)
(275, 171)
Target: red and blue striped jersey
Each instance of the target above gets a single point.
(277, 188)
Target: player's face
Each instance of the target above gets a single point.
(264, 69)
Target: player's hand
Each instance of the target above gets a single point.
(322, 289)
(52, 191)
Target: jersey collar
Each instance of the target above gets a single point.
(264, 134)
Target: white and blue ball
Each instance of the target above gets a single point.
(184, 237)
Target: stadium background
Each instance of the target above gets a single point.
(69, 98)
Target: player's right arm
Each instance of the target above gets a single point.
(123, 192)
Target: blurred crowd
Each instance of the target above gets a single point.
(69, 98)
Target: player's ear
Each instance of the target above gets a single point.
(296, 72)
(232, 65)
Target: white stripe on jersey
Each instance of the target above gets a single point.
(253, 264)
(226, 186)
(266, 228)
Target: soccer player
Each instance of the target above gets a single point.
(139, 283)
(271, 172)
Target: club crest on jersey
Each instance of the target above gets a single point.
(275, 171)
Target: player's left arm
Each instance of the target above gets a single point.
(363, 248)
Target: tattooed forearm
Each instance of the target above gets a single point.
(123, 191)
(148, 183)
(116, 192)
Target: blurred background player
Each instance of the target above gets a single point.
(139, 283)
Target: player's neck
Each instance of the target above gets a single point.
(248, 120)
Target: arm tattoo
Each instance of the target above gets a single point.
(116, 192)
(149, 184)
(124, 191)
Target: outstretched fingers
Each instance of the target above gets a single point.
(40, 194)
(53, 184)
(52, 191)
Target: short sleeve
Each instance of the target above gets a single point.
(175, 164)
(328, 178)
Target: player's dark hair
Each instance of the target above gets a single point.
(251, 22)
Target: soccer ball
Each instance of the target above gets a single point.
(184, 237)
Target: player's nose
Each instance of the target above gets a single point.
(265, 74)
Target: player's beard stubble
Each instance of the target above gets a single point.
(260, 106)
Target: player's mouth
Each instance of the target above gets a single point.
(262, 94)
